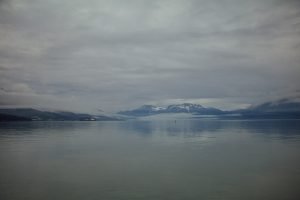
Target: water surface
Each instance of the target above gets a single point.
(186, 159)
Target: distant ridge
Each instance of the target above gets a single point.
(30, 114)
(146, 110)
(5, 117)
(281, 109)
(283, 105)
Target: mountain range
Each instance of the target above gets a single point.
(147, 110)
(30, 114)
(282, 109)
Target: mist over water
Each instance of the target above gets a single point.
(163, 159)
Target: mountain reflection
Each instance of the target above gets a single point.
(198, 127)
(185, 128)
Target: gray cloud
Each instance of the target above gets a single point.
(120, 54)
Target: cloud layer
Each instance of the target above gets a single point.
(117, 54)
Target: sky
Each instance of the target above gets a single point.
(91, 55)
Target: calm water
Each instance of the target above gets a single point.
(189, 159)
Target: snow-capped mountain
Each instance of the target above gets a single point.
(144, 111)
(178, 108)
(185, 108)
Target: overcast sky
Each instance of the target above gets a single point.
(85, 55)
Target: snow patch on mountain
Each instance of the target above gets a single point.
(146, 110)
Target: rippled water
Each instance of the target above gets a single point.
(189, 159)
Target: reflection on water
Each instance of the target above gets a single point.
(195, 127)
(186, 159)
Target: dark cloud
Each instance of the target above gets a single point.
(119, 54)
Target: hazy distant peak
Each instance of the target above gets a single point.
(19, 114)
(282, 105)
(174, 108)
